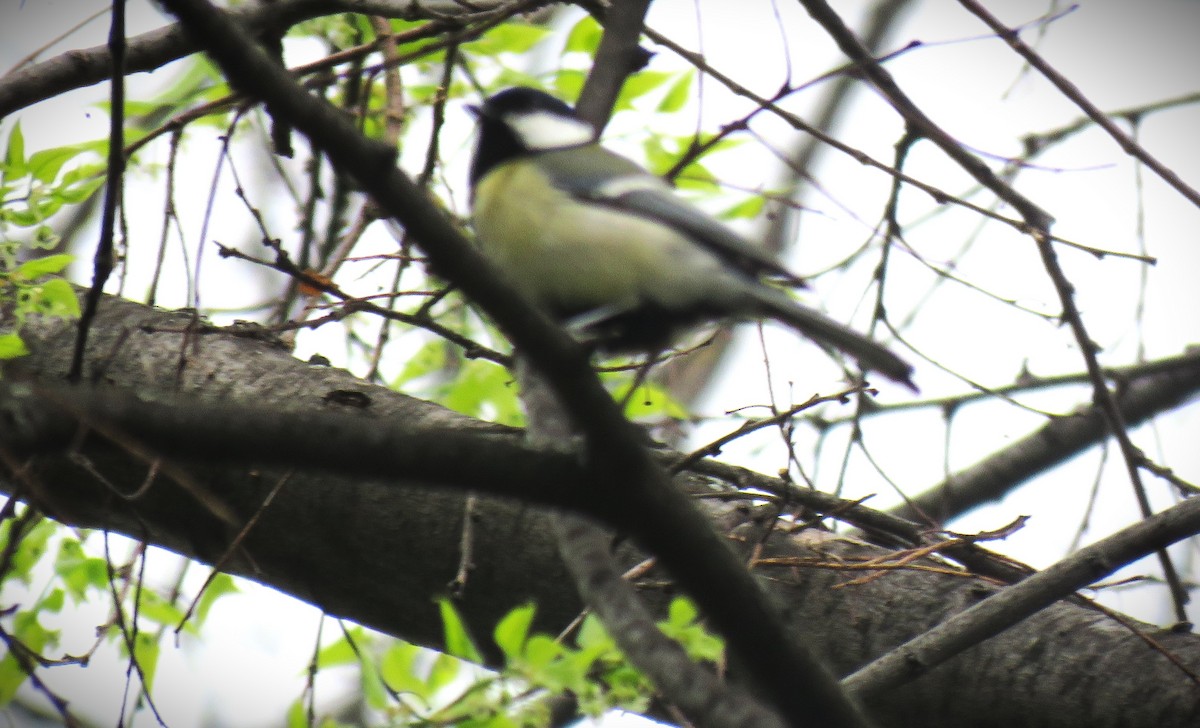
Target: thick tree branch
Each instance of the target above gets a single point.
(704, 699)
(632, 487)
(617, 57)
(36, 420)
(354, 546)
(1020, 601)
(148, 51)
(375, 550)
(583, 545)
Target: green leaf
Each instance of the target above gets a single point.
(724, 144)
(698, 178)
(79, 572)
(651, 400)
(638, 85)
(444, 671)
(79, 190)
(220, 585)
(628, 689)
(47, 265)
(84, 173)
(52, 602)
(513, 629)
(548, 663)
(45, 165)
(512, 37)
(11, 677)
(138, 109)
(458, 641)
(541, 650)
(568, 83)
(678, 94)
(45, 238)
(56, 297)
(431, 357)
(682, 612)
(8, 250)
(496, 720)
(43, 205)
(659, 158)
(297, 715)
(747, 209)
(373, 688)
(11, 346)
(32, 633)
(39, 205)
(156, 609)
(483, 390)
(592, 633)
(398, 668)
(340, 651)
(703, 645)
(584, 37)
(682, 626)
(146, 651)
(30, 550)
(14, 154)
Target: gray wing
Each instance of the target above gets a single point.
(616, 181)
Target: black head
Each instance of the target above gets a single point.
(519, 121)
(522, 100)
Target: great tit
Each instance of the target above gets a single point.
(605, 246)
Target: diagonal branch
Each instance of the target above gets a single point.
(105, 258)
(1072, 92)
(153, 49)
(1014, 604)
(630, 484)
(618, 56)
(699, 694)
(585, 546)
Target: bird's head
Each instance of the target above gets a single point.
(519, 121)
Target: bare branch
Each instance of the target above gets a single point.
(629, 484)
(1008, 607)
(1072, 92)
(148, 51)
(1038, 222)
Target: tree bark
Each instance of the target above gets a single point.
(377, 551)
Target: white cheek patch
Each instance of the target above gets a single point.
(542, 130)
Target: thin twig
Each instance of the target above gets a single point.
(102, 263)
(1072, 92)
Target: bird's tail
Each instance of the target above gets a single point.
(824, 330)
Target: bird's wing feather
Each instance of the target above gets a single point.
(664, 207)
(618, 182)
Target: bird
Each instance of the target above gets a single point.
(610, 250)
